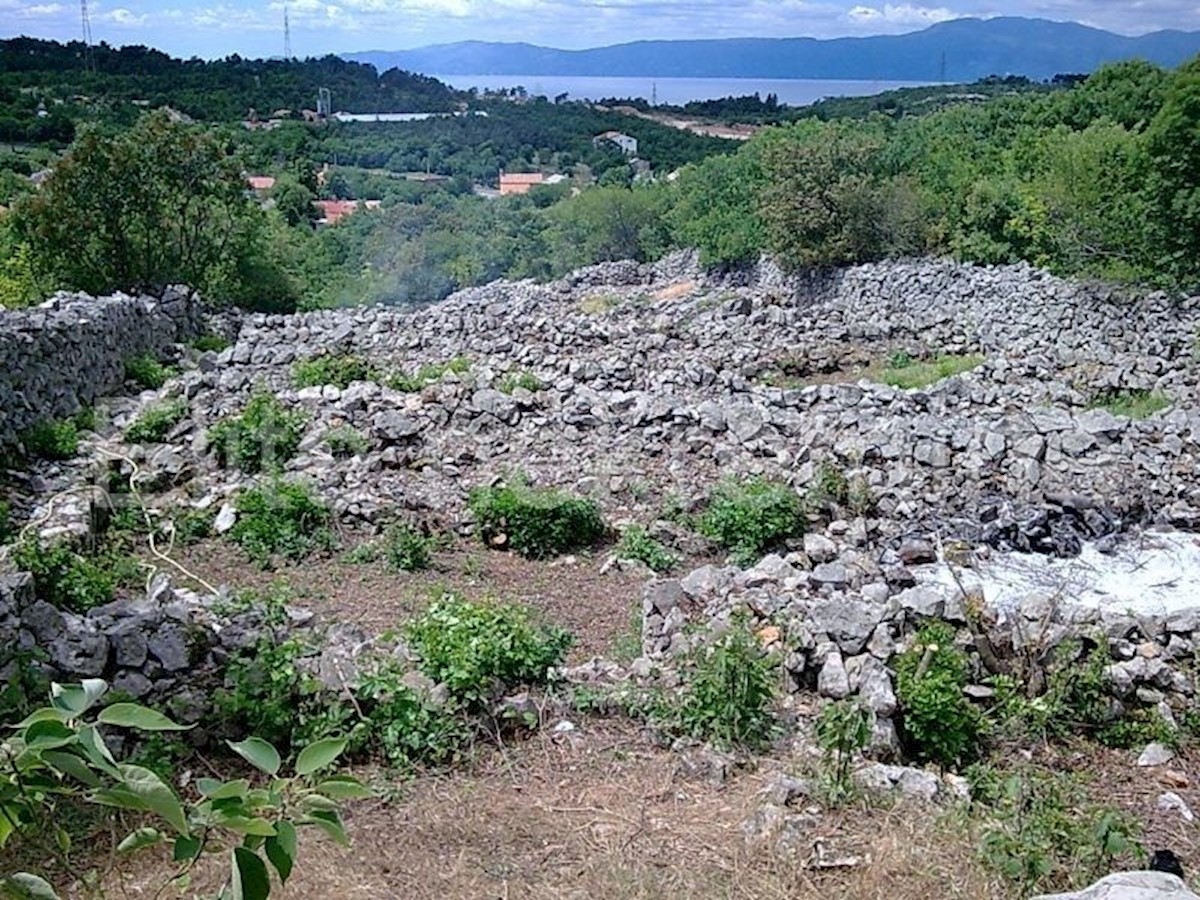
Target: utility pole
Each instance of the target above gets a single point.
(89, 61)
(287, 34)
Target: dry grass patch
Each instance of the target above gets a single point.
(675, 291)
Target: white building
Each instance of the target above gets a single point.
(627, 144)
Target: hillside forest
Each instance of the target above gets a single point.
(1095, 177)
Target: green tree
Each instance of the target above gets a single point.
(604, 224)
(156, 205)
(1173, 147)
(716, 208)
(294, 200)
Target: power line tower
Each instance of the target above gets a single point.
(89, 60)
(287, 35)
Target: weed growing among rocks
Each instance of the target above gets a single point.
(209, 343)
(730, 693)
(536, 522)
(345, 442)
(154, 424)
(843, 731)
(407, 548)
(1132, 404)
(281, 518)
(479, 649)
(939, 723)
(262, 438)
(68, 579)
(428, 374)
(637, 544)
(524, 380)
(52, 440)
(748, 517)
(147, 372)
(338, 369)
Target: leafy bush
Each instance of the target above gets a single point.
(210, 343)
(410, 730)
(154, 424)
(843, 729)
(746, 517)
(1132, 404)
(730, 692)
(147, 372)
(526, 381)
(340, 369)
(476, 649)
(54, 440)
(1042, 834)
(345, 442)
(537, 523)
(6, 529)
(637, 544)
(922, 374)
(263, 437)
(70, 580)
(938, 722)
(830, 485)
(407, 548)
(430, 373)
(282, 518)
(64, 761)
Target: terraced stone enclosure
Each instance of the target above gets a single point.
(1064, 432)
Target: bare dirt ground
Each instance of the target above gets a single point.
(605, 813)
(601, 611)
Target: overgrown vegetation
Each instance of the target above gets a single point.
(407, 548)
(749, 516)
(338, 369)
(637, 544)
(65, 577)
(281, 519)
(155, 422)
(477, 649)
(209, 343)
(262, 438)
(938, 722)
(52, 439)
(522, 380)
(536, 522)
(345, 441)
(903, 372)
(430, 373)
(147, 372)
(1132, 404)
(729, 693)
(1041, 833)
(843, 730)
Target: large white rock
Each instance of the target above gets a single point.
(1131, 886)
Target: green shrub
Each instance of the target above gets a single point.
(1041, 833)
(340, 369)
(478, 649)
(730, 692)
(282, 518)
(54, 440)
(407, 548)
(147, 372)
(938, 723)
(636, 543)
(154, 423)
(410, 730)
(70, 580)
(912, 375)
(210, 343)
(747, 517)
(428, 374)
(263, 437)
(536, 522)
(843, 730)
(6, 527)
(830, 486)
(344, 442)
(1132, 404)
(524, 380)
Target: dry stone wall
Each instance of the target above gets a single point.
(61, 356)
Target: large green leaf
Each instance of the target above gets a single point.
(345, 787)
(258, 753)
(45, 714)
(23, 886)
(70, 764)
(244, 824)
(133, 715)
(142, 837)
(249, 879)
(281, 849)
(48, 735)
(76, 699)
(186, 848)
(318, 755)
(141, 789)
(229, 790)
(97, 751)
(328, 822)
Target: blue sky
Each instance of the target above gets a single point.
(212, 28)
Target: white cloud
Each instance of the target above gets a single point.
(901, 14)
(122, 16)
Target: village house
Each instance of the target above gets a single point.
(627, 144)
(519, 182)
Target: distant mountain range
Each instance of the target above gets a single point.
(958, 50)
